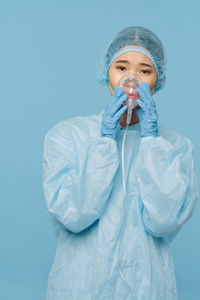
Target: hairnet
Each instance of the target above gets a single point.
(138, 39)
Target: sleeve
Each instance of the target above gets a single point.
(77, 182)
(168, 185)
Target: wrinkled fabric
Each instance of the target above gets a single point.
(83, 189)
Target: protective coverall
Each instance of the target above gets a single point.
(84, 195)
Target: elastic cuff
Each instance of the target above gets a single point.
(110, 136)
(150, 135)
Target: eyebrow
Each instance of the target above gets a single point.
(122, 61)
(127, 62)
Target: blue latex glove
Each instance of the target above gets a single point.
(147, 113)
(113, 113)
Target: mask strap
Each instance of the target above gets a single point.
(111, 85)
(153, 87)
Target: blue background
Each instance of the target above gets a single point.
(50, 54)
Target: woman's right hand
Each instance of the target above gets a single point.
(113, 113)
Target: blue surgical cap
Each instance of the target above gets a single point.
(137, 39)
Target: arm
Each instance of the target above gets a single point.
(77, 182)
(168, 185)
(167, 180)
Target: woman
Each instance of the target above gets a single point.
(95, 259)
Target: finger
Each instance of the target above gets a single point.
(118, 103)
(122, 99)
(141, 104)
(145, 88)
(118, 92)
(119, 114)
(142, 94)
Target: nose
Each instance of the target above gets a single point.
(135, 75)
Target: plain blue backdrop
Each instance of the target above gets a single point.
(50, 54)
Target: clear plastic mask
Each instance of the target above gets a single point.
(129, 82)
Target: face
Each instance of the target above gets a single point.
(133, 62)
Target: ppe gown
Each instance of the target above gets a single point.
(82, 183)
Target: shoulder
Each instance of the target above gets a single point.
(76, 126)
(181, 142)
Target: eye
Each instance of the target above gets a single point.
(145, 71)
(121, 68)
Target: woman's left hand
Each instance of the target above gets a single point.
(147, 113)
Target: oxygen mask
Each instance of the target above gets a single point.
(129, 82)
